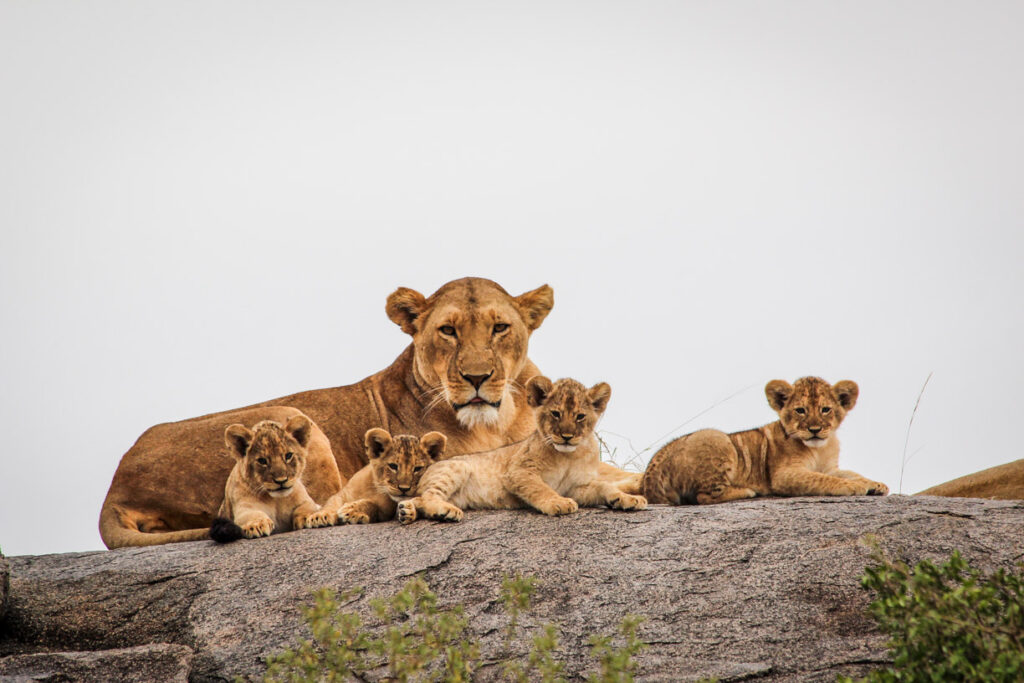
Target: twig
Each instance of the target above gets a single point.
(906, 442)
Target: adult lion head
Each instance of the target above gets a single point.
(470, 340)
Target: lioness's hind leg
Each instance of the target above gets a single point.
(723, 494)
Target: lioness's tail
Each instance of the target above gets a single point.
(116, 534)
(224, 531)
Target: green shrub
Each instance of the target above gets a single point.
(948, 622)
(417, 641)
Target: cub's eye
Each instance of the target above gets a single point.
(580, 417)
(262, 461)
(825, 409)
(448, 330)
(500, 327)
(556, 414)
(801, 411)
(393, 466)
(417, 468)
(288, 457)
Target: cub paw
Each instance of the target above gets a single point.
(350, 514)
(261, 527)
(559, 506)
(626, 501)
(406, 512)
(877, 488)
(318, 519)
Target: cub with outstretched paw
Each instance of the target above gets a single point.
(393, 474)
(798, 455)
(554, 471)
(264, 492)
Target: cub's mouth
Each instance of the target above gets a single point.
(280, 491)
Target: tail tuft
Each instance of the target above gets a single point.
(225, 531)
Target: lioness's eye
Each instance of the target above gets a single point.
(500, 327)
(393, 466)
(262, 461)
(801, 411)
(288, 457)
(448, 330)
(825, 409)
(580, 417)
(555, 414)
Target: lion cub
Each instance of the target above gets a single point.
(554, 471)
(795, 456)
(264, 492)
(393, 474)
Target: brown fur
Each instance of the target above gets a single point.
(393, 474)
(1003, 482)
(533, 474)
(264, 493)
(171, 478)
(710, 466)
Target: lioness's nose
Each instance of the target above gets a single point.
(477, 380)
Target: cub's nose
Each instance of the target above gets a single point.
(814, 430)
(477, 380)
(567, 437)
(280, 482)
(404, 489)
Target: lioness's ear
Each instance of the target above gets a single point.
(433, 444)
(301, 429)
(846, 392)
(534, 306)
(537, 389)
(237, 438)
(599, 395)
(404, 306)
(778, 392)
(377, 441)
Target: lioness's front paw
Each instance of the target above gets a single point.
(406, 512)
(351, 514)
(261, 527)
(318, 519)
(445, 512)
(626, 501)
(877, 488)
(559, 506)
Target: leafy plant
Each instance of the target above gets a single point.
(617, 665)
(948, 622)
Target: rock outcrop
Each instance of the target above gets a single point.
(766, 588)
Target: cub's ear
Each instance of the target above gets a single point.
(301, 429)
(237, 438)
(599, 395)
(846, 392)
(404, 307)
(537, 390)
(433, 444)
(534, 306)
(377, 441)
(778, 392)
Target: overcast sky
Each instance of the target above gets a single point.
(720, 194)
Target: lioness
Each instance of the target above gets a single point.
(555, 471)
(795, 456)
(264, 493)
(462, 376)
(396, 465)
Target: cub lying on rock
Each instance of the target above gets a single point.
(554, 471)
(264, 493)
(393, 474)
(795, 456)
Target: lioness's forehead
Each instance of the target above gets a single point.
(485, 314)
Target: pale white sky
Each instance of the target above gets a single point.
(720, 194)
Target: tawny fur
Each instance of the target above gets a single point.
(555, 471)
(173, 477)
(264, 493)
(1002, 482)
(393, 474)
(798, 455)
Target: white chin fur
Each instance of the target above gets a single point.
(477, 414)
(280, 493)
(816, 443)
(564, 448)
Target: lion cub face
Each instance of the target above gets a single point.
(811, 409)
(271, 456)
(566, 411)
(399, 462)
